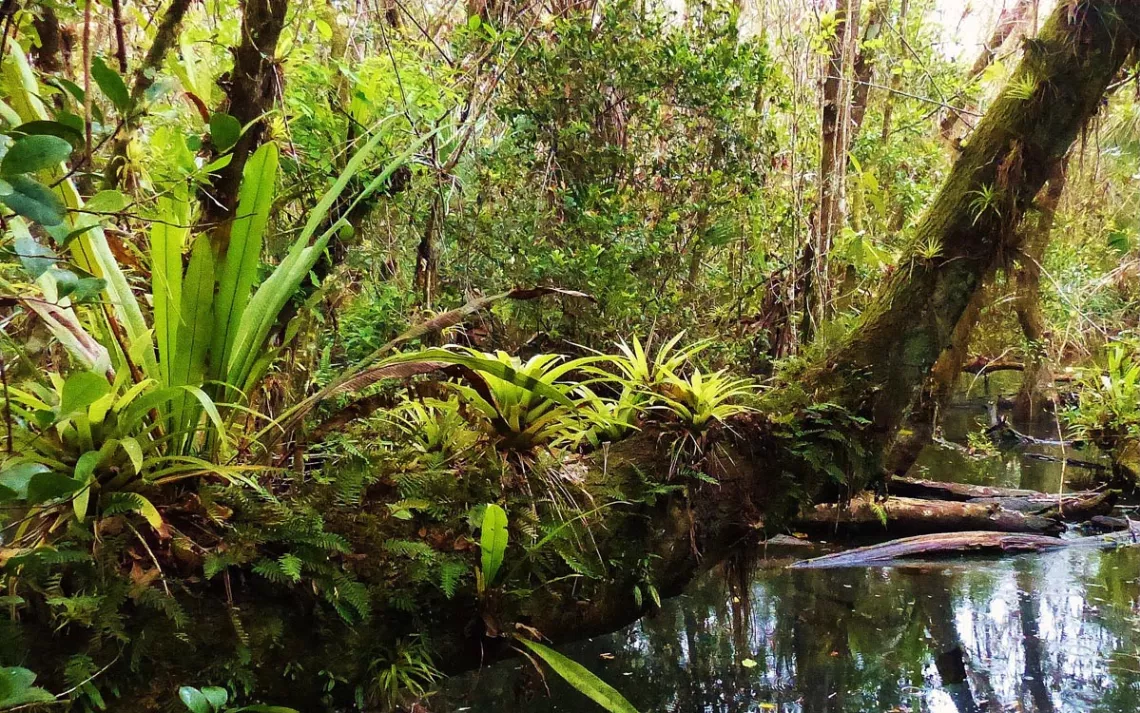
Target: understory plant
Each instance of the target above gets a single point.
(1108, 406)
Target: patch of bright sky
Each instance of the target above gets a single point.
(967, 24)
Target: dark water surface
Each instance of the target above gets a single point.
(1055, 632)
(1043, 633)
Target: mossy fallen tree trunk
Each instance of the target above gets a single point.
(866, 514)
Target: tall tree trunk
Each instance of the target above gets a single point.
(250, 93)
(835, 118)
(1037, 377)
(1009, 21)
(863, 69)
(896, 78)
(882, 365)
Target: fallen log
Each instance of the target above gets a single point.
(1070, 507)
(937, 490)
(864, 514)
(958, 543)
(1067, 507)
(984, 365)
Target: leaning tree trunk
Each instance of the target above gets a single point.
(1037, 376)
(880, 368)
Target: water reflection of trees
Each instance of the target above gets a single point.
(1040, 634)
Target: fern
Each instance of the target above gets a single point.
(349, 597)
(290, 566)
(271, 570)
(451, 570)
(412, 549)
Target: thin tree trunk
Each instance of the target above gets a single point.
(863, 69)
(120, 37)
(834, 132)
(427, 267)
(896, 78)
(252, 88)
(164, 39)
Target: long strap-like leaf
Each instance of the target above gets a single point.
(90, 249)
(168, 236)
(239, 272)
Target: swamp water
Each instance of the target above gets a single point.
(1045, 632)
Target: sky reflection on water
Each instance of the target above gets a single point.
(1040, 633)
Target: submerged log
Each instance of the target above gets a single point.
(921, 488)
(864, 514)
(936, 544)
(959, 543)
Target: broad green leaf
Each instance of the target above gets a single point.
(270, 298)
(52, 128)
(493, 541)
(33, 200)
(134, 451)
(265, 709)
(581, 678)
(113, 86)
(195, 700)
(194, 331)
(150, 513)
(50, 486)
(224, 130)
(239, 272)
(106, 202)
(216, 695)
(34, 153)
(85, 474)
(81, 389)
(35, 258)
(16, 477)
(16, 688)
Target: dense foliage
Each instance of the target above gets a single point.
(332, 315)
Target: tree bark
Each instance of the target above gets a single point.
(834, 132)
(880, 368)
(1036, 377)
(48, 55)
(959, 543)
(895, 515)
(251, 90)
(863, 69)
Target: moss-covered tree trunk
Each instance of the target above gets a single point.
(1037, 378)
(881, 367)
